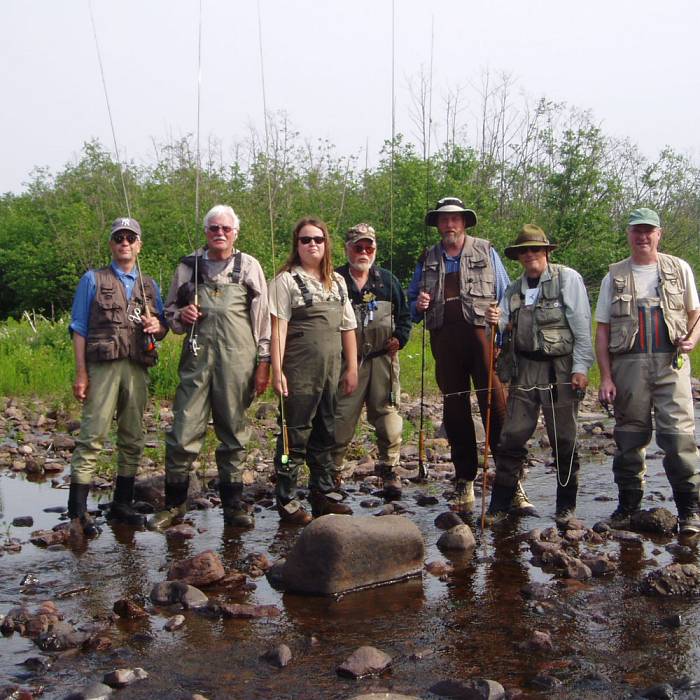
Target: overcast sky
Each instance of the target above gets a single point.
(635, 64)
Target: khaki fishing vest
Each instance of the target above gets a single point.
(624, 314)
(542, 327)
(113, 332)
(477, 283)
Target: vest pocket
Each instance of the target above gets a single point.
(674, 292)
(101, 350)
(621, 305)
(480, 278)
(555, 342)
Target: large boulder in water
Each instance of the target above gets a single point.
(338, 553)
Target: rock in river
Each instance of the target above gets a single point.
(659, 520)
(459, 537)
(674, 579)
(199, 570)
(365, 661)
(335, 554)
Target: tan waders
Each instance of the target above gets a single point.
(311, 365)
(218, 380)
(378, 389)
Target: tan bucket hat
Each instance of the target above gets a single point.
(529, 236)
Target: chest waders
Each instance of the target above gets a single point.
(311, 364)
(377, 389)
(219, 380)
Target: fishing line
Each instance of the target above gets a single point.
(392, 397)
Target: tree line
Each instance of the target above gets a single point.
(545, 164)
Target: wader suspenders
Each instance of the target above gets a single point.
(235, 274)
(306, 294)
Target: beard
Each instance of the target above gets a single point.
(362, 266)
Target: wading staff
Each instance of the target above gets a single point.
(422, 466)
(492, 352)
(149, 341)
(677, 361)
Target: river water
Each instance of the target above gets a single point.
(609, 641)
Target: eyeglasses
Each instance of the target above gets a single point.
(215, 228)
(531, 249)
(363, 248)
(305, 240)
(121, 235)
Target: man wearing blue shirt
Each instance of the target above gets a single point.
(116, 318)
(454, 284)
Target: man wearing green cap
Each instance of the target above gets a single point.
(646, 315)
(548, 353)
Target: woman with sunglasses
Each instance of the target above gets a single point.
(312, 323)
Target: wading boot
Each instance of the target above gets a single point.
(688, 513)
(82, 525)
(293, 513)
(122, 509)
(629, 501)
(501, 500)
(391, 484)
(462, 499)
(566, 503)
(235, 510)
(327, 503)
(520, 503)
(175, 506)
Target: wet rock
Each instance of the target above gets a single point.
(121, 677)
(384, 696)
(457, 538)
(661, 691)
(658, 520)
(94, 691)
(674, 579)
(539, 641)
(542, 681)
(23, 521)
(574, 535)
(539, 548)
(439, 568)
(370, 503)
(601, 528)
(55, 509)
(473, 689)
(63, 442)
(128, 610)
(172, 592)
(599, 564)
(47, 538)
(551, 534)
(182, 531)
(174, 623)
(336, 553)
(280, 656)
(536, 591)
(425, 500)
(248, 612)
(201, 503)
(447, 520)
(625, 536)
(365, 661)
(38, 664)
(672, 621)
(200, 570)
(60, 637)
(577, 570)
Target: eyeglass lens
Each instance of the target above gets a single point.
(305, 240)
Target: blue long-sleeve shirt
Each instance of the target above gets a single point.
(452, 265)
(85, 295)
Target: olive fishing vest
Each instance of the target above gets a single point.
(540, 328)
(661, 327)
(467, 297)
(114, 330)
(374, 318)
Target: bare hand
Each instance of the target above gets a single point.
(262, 377)
(80, 385)
(579, 381)
(607, 391)
(151, 324)
(493, 315)
(189, 314)
(349, 381)
(686, 346)
(423, 301)
(279, 384)
(392, 346)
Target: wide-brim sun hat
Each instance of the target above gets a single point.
(529, 236)
(451, 205)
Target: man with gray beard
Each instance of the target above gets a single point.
(383, 328)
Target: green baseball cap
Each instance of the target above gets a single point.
(644, 216)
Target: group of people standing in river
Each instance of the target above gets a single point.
(331, 340)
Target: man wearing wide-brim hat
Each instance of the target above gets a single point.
(548, 351)
(646, 314)
(453, 285)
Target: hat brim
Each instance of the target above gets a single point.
(431, 218)
(362, 237)
(512, 251)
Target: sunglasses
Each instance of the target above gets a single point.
(530, 249)
(363, 248)
(215, 228)
(120, 236)
(305, 240)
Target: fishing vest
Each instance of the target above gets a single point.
(374, 316)
(114, 332)
(626, 309)
(469, 295)
(540, 329)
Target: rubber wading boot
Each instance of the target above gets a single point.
(122, 508)
(501, 500)
(629, 501)
(175, 506)
(293, 513)
(688, 506)
(81, 523)
(520, 503)
(235, 510)
(391, 484)
(462, 499)
(566, 503)
(327, 503)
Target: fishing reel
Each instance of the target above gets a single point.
(579, 394)
(677, 361)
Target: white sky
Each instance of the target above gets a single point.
(634, 63)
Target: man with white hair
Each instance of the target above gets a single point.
(219, 298)
(383, 328)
